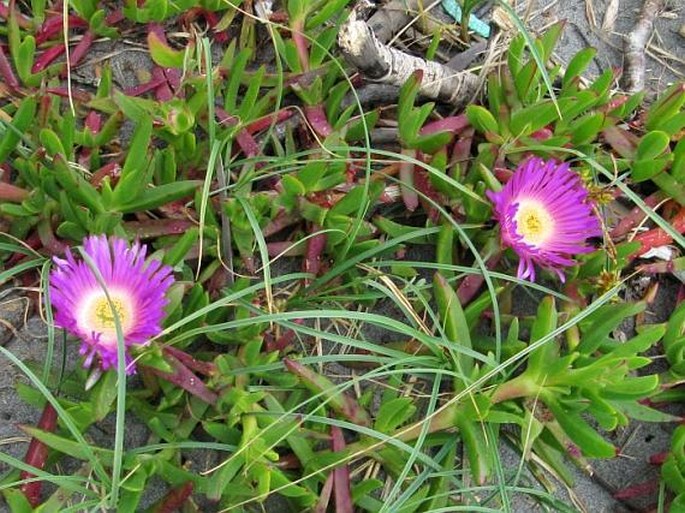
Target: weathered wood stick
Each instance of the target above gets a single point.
(381, 63)
(634, 46)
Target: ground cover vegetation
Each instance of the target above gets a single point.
(317, 291)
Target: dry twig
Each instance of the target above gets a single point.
(381, 63)
(634, 46)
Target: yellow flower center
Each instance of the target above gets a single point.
(102, 315)
(96, 314)
(533, 222)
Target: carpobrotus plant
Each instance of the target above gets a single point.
(351, 383)
(112, 284)
(545, 216)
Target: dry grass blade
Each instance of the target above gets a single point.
(590, 14)
(610, 15)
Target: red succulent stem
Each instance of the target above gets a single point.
(47, 238)
(52, 27)
(210, 18)
(158, 227)
(638, 490)
(163, 93)
(12, 193)
(454, 124)
(315, 248)
(272, 119)
(44, 109)
(425, 187)
(157, 30)
(184, 378)
(174, 499)
(247, 144)
(658, 237)
(542, 135)
(81, 49)
(341, 475)
(614, 103)
(503, 174)
(173, 77)
(658, 459)
(47, 57)
(284, 340)
(635, 216)
(206, 368)
(156, 80)
(471, 284)
(111, 169)
(37, 455)
(32, 241)
(7, 73)
(77, 94)
(406, 175)
(301, 44)
(461, 153)
(224, 117)
(93, 122)
(281, 220)
(114, 17)
(316, 115)
(154, 83)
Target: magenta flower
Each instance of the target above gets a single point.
(545, 216)
(136, 289)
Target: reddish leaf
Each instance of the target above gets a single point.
(46, 58)
(6, 71)
(316, 115)
(206, 368)
(658, 237)
(174, 499)
(340, 402)
(635, 216)
(183, 377)
(315, 248)
(37, 455)
(453, 124)
(341, 475)
(12, 193)
(81, 49)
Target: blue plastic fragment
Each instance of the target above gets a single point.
(453, 8)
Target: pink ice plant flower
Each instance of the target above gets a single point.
(545, 216)
(136, 288)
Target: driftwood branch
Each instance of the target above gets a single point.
(634, 46)
(394, 15)
(387, 65)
